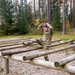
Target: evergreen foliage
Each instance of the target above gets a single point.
(6, 11)
(24, 18)
(56, 22)
(22, 25)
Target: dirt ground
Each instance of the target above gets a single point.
(21, 68)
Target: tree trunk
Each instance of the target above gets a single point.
(34, 10)
(39, 9)
(73, 15)
(49, 11)
(21, 5)
(71, 12)
(64, 19)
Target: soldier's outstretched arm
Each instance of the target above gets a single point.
(49, 25)
(39, 26)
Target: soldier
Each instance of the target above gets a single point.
(47, 36)
(47, 32)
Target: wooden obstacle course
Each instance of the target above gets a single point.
(10, 55)
(15, 52)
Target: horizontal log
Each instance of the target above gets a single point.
(21, 51)
(47, 52)
(15, 52)
(48, 64)
(57, 40)
(17, 39)
(13, 57)
(11, 44)
(11, 47)
(64, 61)
(60, 43)
(67, 68)
(14, 41)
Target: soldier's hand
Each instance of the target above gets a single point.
(38, 28)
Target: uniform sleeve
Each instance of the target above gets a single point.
(40, 26)
(49, 26)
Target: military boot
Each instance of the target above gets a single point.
(46, 58)
(26, 44)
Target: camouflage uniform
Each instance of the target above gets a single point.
(47, 36)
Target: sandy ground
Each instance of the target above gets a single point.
(21, 68)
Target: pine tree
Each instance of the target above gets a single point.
(24, 19)
(6, 11)
(56, 23)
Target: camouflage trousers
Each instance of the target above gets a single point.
(47, 38)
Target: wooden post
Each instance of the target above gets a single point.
(1, 69)
(6, 66)
(64, 61)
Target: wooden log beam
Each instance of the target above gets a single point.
(17, 39)
(67, 68)
(58, 40)
(15, 52)
(48, 64)
(53, 41)
(14, 41)
(11, 47)
(6, 61)
(47, 52)
(21, 51)
(60, 43)
(64, 61)
(11, 44)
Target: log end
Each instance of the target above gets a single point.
(24, 58)
(57, 64)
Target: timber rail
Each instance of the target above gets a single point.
(17, 43)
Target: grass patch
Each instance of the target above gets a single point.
(57, 35)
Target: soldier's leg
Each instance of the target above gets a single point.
(29, 43)
(46, 48)
(40, 42)
(46, 57)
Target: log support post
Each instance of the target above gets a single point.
(6, 66)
